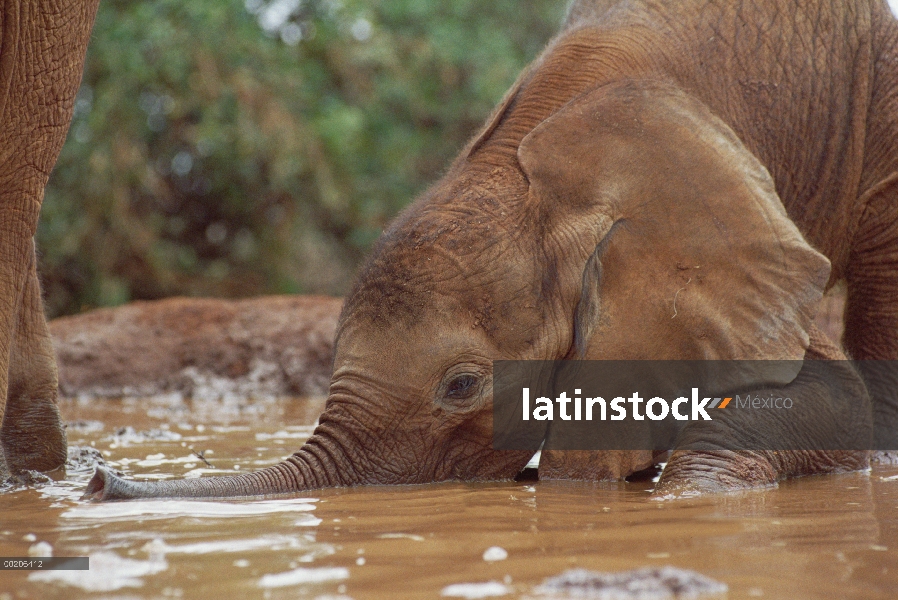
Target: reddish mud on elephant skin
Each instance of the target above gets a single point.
(642, 192)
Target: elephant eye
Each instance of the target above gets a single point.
(461, 387)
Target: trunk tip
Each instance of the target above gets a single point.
(102, 486)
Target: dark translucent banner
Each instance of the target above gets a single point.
(699, 405)
(44, 563)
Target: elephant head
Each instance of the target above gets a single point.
(625, 222)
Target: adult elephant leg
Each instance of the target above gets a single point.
(32, 432)
(42, 47)
(871, 312)
(826, 430)
(12, 278)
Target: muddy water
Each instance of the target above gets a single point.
(819, 537)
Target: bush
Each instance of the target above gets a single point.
(226, 148)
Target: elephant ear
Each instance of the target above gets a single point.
(688, 251)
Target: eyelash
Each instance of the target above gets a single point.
(461, 387)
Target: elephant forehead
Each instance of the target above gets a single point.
(445, 269)
(407, 354)
(437, 288)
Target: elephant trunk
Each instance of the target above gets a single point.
(313, 466)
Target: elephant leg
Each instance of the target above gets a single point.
(11, 278)
(32, 434)
(42, 48)
(871, 312)
(827, 430)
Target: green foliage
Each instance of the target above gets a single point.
(231, 148)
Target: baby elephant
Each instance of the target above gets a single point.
(666, 181)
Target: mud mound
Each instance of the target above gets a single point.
(199, 347)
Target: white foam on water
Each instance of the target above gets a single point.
(170, 509)
(41, 548)
(494, 553)
(269, 542)
(108, 572)
(63, 492)
(304, 575)
(155, 460)
(401, 536)
(230, 428)
(283, 434)
(472, 591)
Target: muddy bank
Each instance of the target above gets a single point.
(266, 346)
(199, 347)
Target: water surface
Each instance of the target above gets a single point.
(817, 537)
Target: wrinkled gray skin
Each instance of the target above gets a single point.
(666, 181)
